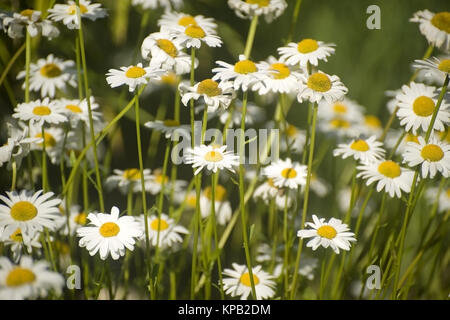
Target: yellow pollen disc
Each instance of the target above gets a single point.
(372, 121)
(445, 136)
(289, 173)
(291, 130)
(444, 65)
(168, 47)
(389, 169)
(73, 108)
(270, 182)
(319, 82)
(49, 140)
(432, 153)
(209, 87)
(327, 232)
(81, 218)
(307, 46)
(27, 13)
(261, 3)
(360, 145)
(220, 193)
(423, 106)
(194, 31)
(441, 21)
(163, 225)
(170, 78)
(191, 200)
(73, 9)
(20, 276)
(42, 111)
(23, 211)
(411, 138)
(340, 108)
(245, 67)
(245, 279)
(213, 156)
(186, 21)
(281, 71)
(171, 123)
(340, 123)
(132, 174)
(135, 72)
(16, 236)
(159, 178)
(50, 70)
(109, 229)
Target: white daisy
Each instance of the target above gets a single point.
(126, 179)
(53, 138)
(443, 200)
(253, 115)
(153, 4)
(221, 204)
(392, 138)
(370, 125)
(77, 110)
(109, 234)
(346, 109)
(306, 268)
(267, 191)
(306, 51)
(285, 173)
(155, 181)
(212, 158)
(39, 112)
(333, 233)
(163, 229)
(435, 27)
(67, 13)
(77, 219)
(132, 76)
(214, 94)
(390, 176)
(319, 186)
(364, 150)
(170, 20)
(433, 156)
(169, 127)
(320, 86)
(21, 242)
(17, 146)
(392, 102)
(28, 279)
(341, 128)
(14, 24)
(434, 69)
(416, 105)
(193, 35)
(296, 139)
(247, 9)
(239, 283)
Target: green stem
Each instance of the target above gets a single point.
(14, 175)
(294, 20)
(27, 66)
(163, 181)
(286, 246)
(436, 109)
(251, 36)
(44, 162)
(11, 63)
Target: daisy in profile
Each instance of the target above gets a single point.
(215, 94)
(267, 191)
(15, 23)
(434, 68)
(20, 242)
(155, 182)
(49, 74)
(193, 35)
(247, 9)
(433, 156)
(285, 173)
(39, 112)
(238, 282)
(17, 146)
(212, 158)
(109, 234)
(169, 127)
(363, 150)
(132, 76)
(222, 205)
(346, 109)
(153, 4)
(171, 20)
(77, 111)
(306, 51)
(416, 105)
(126, 179)
(67, 13)
(388, 175)
(320, 85)
(333, 233)
(28, 279)
(53, 139)
(162, 232)
(435, 27)
(254, 114)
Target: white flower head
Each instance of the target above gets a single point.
(364, 150)
(435, 27)
(171, 20)
(286, 173)
(133, 76)
(435, 69)
(67, 13)
(213, 158)
(154, 4)
(222, 206)
(215, 94)
(247, 9)
(169, 127)
(14, 24)
(162, 231)
(126, 179)
(307, 51)
(320, 85)
(193, 35)
(40, 112)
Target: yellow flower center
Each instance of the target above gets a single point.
(245, 279)
(359, 145)
(444, 65)
(191, 200)
(423, 106)
(131, 174)
(389, 169)
(159, 178)
(261, 3)
(372, 121)
(50, 70)
(209, 87)
(186, 21)
(73, 108)
(49, 140)
(339, 123)
(161, 223)
(213, 156)
(194, 31)
(282, 70)
(81, 218)
(219, 195)
(289, 173)
(170, 78)
(168, 47)
(109, 229)
(307, 46)
(432, 153)
(20, 276)
(445, 136)
(73, 9)
(16, 236)
(340, 108)
(27, 13)
(245, 67)
(441, 21)
(135, 72)
(411, 138)
(271, 183)
(23, 211)
(291, 131)
(42, 111)
(327, 231)
(171, 123)
(319, 82)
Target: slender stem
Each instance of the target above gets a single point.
(163, 181)
(27, 66)
(100, 282)
(213, 220)
(397, 144)
(44, 162)
(294, 20)
(14, 175)
(11, 63)
(192, 111)
(436, 109)
(286, 246)
(251, 36)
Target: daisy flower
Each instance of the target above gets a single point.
(77, 219)
(28, 279)
(247, 9)
(222, 206)
(319, 186)
(153, 4)
(370, 125)
(193, 35)
(239, 284)
(39, 112)
(392, 102)
(28, 212)
(320, 86)
(77, 111)
(169, 232)
(50, 74)
(132, 76)
(154, 183)
(296, 139)
(214, 94)
(392, 138)
(67, 13)
(306, 268)
(267, 191)
(17, 146)
(126, 179)
(53, 138)
(171, 20)
(389, 175)
(285, 173)
(435, 27)
(434, 156)
(346, 109)
(443, 200)
(339, 127)
(212, 158)
(435, 68)
(364, 150)
(253, 115)
(20, 241)
(333, 233)
(15, 23)
(169, 127)
(109, 234)
(306, 51)
(416, 105)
